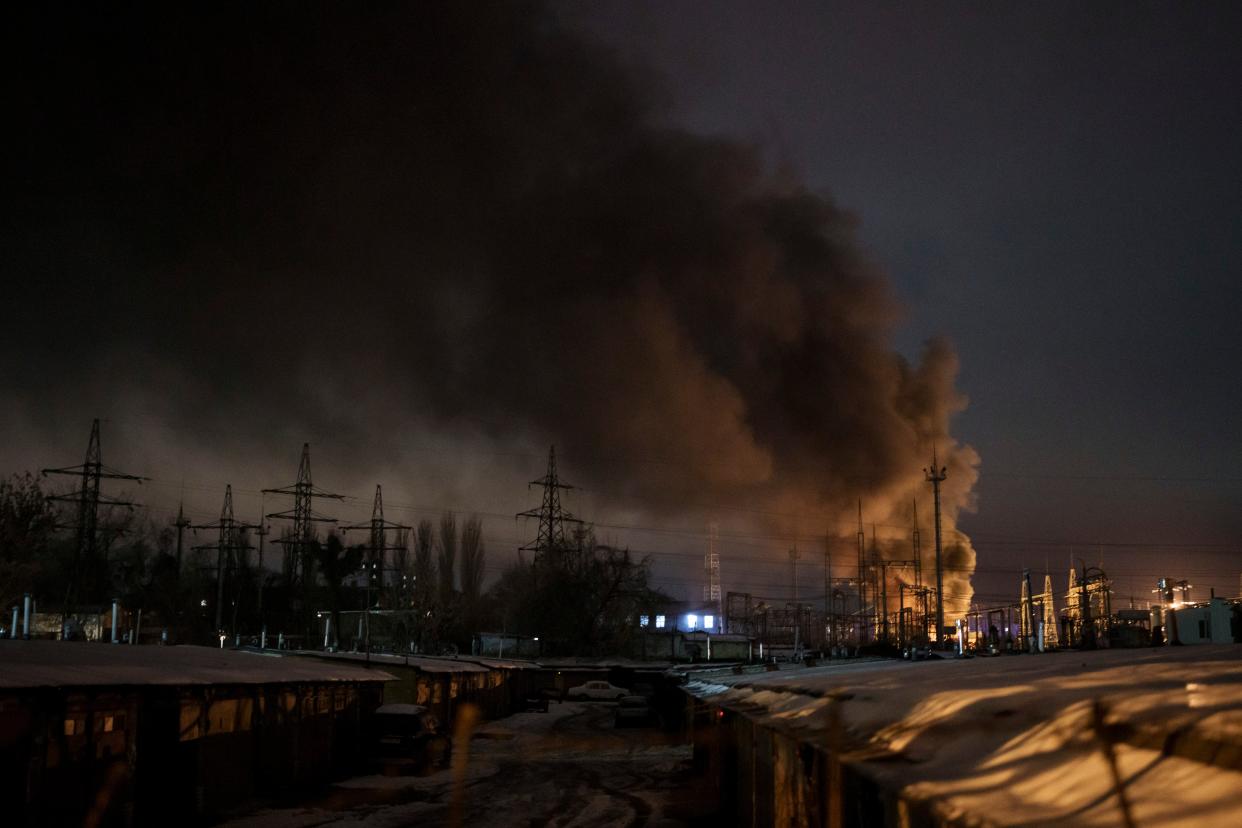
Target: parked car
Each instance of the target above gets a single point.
(410, 734)
(633, 710)
(597, 690)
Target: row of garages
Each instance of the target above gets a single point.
(977, 741)
(102, 735)
(111, 735)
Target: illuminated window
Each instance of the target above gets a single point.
(108, 724)
(643, 620)
(709, 621)
(71, 727)
(659, 622)
(692, 621)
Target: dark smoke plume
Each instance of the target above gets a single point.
(458, 220)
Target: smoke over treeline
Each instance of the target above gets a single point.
(280, 217)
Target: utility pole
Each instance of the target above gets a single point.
(302, 515)
(828, 608)
(263, 531)
(918, 547)
(550, 543)
(793, 557)
(374, 566)
(936, 475)
(711, 571)
(862, 578)
(227, 546)
(879, 570)
(182, 522)
(88, 498)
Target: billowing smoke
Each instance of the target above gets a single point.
(452, 223)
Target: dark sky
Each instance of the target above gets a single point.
(1055, 186)
(433, 239)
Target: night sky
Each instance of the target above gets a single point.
(1055, 186)
(701, 247)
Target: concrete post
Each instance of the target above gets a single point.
(263, 639)
(26, 617)
(137, 628)
(115, 620)
(327, 630)
(13, 629)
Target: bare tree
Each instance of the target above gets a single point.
(424, 566)
(472, 559)
(447, 557)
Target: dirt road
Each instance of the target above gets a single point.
(567, 767)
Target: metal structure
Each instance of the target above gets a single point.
(88, 498)
(739, 614)
(711, 570)
(1088, 608)
(302, 516)
(228, 545)
(181, 523)
(374, 566)
(1049, 614)
(862, 579)
(549, 544)
(263, 531)
(797, 607)
(937, 475)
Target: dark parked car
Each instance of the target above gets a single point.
(633, 710)
(410, 734)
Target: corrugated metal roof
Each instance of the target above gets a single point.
(26, 664)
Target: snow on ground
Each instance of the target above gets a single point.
(568, 766)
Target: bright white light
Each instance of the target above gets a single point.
(692, 621)
(709, 621)
(659, 622)
(536, 638)
(644, 620)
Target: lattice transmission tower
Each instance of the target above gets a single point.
(711, 571)
(228, 548)
(550, 544)
(374, 566)
(302, 516)
(87, 499)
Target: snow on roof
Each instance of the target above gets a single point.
(1013, 739)
(428, 664)
(25, 664)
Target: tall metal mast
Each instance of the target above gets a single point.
(936, 475)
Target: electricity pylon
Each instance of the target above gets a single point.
(88, 499)
(550, 543)
(228, 544)
(302, 515)
(374, 566)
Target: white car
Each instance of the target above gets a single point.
(597, 690)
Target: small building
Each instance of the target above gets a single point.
(1206, 623)
(686, 616)
(506, 645)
